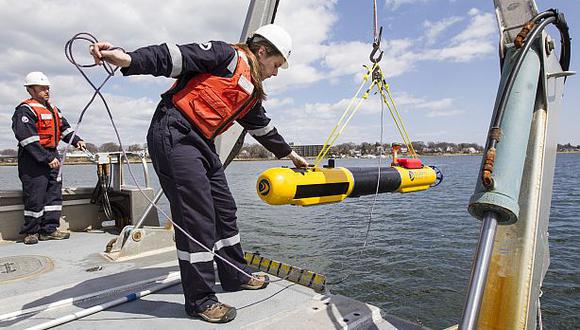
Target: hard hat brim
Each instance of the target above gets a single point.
(36, 84)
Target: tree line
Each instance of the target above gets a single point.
(256, 151)
(351, 149)
(93, 148)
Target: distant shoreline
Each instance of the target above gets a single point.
(263, 159)
(82, 162)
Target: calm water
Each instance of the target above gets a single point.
(421, 245)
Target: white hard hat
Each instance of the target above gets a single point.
(279, 38)
(36, 78)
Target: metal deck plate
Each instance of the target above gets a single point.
(15, 268)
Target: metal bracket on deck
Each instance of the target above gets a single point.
(134, 243)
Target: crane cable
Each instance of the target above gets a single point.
(383, 87)
(376, 36)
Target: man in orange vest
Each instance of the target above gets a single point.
(39, 126)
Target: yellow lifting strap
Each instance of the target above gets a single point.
(395, 114)
(386, 97)
(350, 111)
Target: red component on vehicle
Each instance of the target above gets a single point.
(410, 163)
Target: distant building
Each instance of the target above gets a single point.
(470, 150)
(8, 158)
(307, 150)
(244, 154)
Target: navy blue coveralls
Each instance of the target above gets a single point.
(191, 173)
(42, 193)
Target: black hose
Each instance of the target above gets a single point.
(275, 11)
(105, 201)
(101, 193)
(121, 217)
(548, 17)
(515, 71)
(565, 39)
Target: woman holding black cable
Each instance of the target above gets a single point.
(216, 84)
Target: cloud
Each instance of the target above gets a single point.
(434, 29)
(481, 27)
(39, 39)
(299, 75)
(329, 61)
(472, 42)
(463, 52)
(440, 135)
(37, 43)
(310, 39)
(131, 115)
(449, 113)
(444, 107)
(311, 123)
(320, 57)
(345, 58)
(395, 4)
(273, 103)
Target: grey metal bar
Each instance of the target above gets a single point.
(148, 209)
(117, 171)
(479, 272)
(260, 12)
(145, 170)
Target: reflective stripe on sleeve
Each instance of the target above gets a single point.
(176, 60)
(194, 257)
(67, 132)
(230, 241)
(49, 208)
(29, 140)
(261, 131)
(33, 214)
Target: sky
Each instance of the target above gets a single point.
(440, 60)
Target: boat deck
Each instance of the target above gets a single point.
(75, 276)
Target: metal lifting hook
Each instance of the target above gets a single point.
(377, 47)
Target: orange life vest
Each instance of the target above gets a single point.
(47, 123)
(212, 103)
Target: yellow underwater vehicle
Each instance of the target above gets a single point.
(328, 184)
